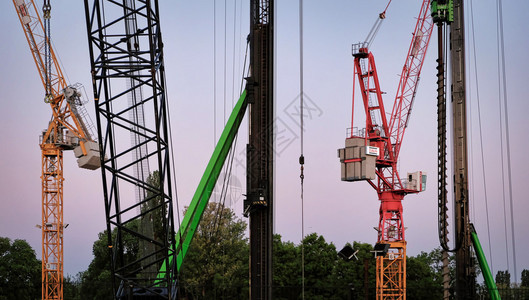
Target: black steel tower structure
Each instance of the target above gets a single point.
(126, 55)
(259, 203)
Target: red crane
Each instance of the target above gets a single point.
(372, 153)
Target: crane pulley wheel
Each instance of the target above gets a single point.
(46, 9)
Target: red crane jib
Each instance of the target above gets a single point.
(372, 153)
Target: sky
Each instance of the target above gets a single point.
(197, 60)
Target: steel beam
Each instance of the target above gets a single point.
(259, 205)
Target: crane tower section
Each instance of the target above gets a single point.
(259, 202)
(68, 129)
(127, 58)
(372, 153)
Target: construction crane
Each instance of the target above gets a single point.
(372, 153)
(68, 129)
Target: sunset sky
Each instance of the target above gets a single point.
(340, 211)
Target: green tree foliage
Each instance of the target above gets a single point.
(525, 278)
(154, 205)
(152, 221)
(72, 287)
(20, 271)
(503, 282)
(423, 276)
(96, 282)
(524, 285)
(503, 279)
(357, 276)
(286, 269)
(216, 265)
(328, 276)
(320, 260)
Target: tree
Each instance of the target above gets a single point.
(320, 261)
(351, 276)
(286, 264)
(525, 278)
(524, 285)
(152, 225)
(423, 276)
(155, 217)
(20, 270)
(72, 287)
(503, 282)
(216, 265)
(96, 282)
(326, 275)
(503, 279)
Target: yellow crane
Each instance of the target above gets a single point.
(68, 129)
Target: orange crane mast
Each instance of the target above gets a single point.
(68, 129)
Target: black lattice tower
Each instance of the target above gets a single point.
(125, 62)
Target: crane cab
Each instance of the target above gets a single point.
(416, 181)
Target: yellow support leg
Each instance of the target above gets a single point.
(52, 223)
(391, 273)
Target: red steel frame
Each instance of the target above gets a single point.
(391, 268)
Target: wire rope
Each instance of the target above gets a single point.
(221, 202)
(225, 58)
(233, 71)
(224, 189)
(502, 73)
(384, 12)
(214, 73)
(301, 157)
(502, 162)
(471, 193)
(480, 129)
(227, 175)
(233, 54)
(244, 66)
(62, 66)
(239, 44)
(46, 12)
(227, 167)
(171, 150)
(222, 194)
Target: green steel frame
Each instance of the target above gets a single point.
(194, 213)
(487, 275)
